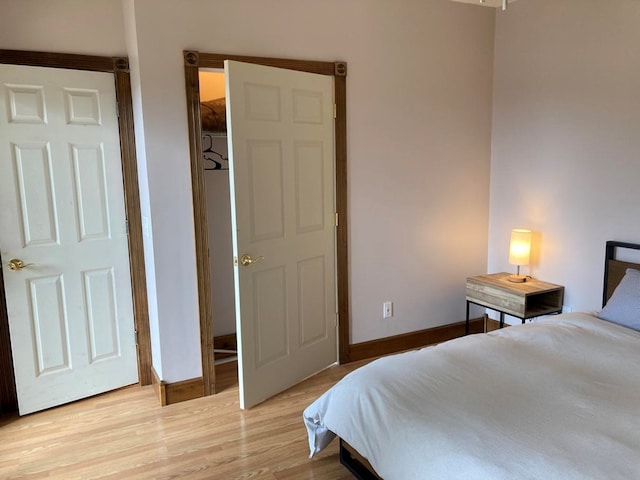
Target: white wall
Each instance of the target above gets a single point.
(143, 184)
(566, 137)
(419, 110)
(419, 117)
(63, 26)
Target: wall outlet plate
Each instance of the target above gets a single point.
(387, 310)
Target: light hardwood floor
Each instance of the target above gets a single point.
(126, 434)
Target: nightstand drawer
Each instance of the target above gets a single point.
(491, 297)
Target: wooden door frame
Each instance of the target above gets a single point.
(119, 67)
(193, 61)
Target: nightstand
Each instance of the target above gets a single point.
(521, 300)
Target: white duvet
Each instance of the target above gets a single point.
(556, 399)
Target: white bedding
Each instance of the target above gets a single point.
(556, 399)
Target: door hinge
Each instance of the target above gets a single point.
(335, 111)
(336, 218)
(126, 226)
(135, 336)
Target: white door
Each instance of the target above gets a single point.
(280, 130)
(62, 214)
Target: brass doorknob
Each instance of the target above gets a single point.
(247, 260)
(16, 264)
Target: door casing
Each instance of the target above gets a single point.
(119, 66)
(193, 61)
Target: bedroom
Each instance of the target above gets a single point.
(433, 153)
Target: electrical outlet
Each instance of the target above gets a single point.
(387, 310)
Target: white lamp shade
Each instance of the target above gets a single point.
(520, 247)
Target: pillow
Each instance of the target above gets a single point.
(624, 305)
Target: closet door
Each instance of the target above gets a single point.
(63, 236)
(281, 145)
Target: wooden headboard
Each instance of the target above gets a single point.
(615, 269)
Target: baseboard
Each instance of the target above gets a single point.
(226, 342)
(492, 325)
(158, 387)
(170, 393)
(225, 348)
(408, 341)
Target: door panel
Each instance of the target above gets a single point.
(270, 315)
(49, 324)
(102, 318)
(266, 190)
(310, 204)
(35, 189)
(312, 300)
(90, 189)
(280, 130)
(62, 210)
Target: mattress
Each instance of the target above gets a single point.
(554, 399)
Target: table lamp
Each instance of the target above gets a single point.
(519, 252)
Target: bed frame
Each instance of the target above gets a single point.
(614, 270)
(356, 463)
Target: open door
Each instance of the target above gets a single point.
(281, 148)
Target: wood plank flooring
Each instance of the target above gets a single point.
(126, 434)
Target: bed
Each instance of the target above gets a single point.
(553, 399)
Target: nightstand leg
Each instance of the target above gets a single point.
(501, 319)
(466, 326)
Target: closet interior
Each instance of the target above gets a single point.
(216, 165)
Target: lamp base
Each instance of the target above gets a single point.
(517, 278)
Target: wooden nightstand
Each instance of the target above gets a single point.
(521, 300)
